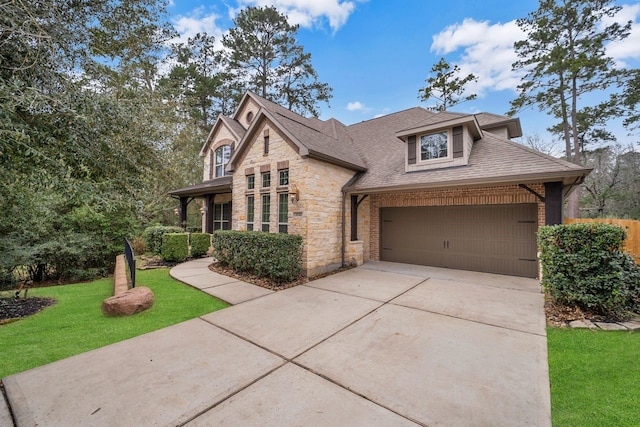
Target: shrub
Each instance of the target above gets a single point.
(153, 237)
(583, 265)
(274, 256)
(138, 245)
(200, 243)
(175, 247)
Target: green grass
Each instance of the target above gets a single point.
(76, 323)
(595, 378)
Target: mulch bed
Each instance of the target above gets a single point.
(561, 316)
(16, 308)
(267, 283)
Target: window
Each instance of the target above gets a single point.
(283, 212)
(266, 179)
(266, 205)
(221, 216)
(266, 141)
(221, 158)
(434, 146)
(250, 212)
(251, 182)
(283, 177)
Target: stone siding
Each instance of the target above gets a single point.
(316, 216)
(501, 195)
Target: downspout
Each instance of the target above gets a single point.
(349, 183)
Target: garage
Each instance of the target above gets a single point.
(489, 238)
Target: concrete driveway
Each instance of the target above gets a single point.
(383, 344)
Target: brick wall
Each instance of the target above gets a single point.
(500, 195)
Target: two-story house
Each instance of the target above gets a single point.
(441, 189)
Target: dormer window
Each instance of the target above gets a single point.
(434, 146)
(221, 158)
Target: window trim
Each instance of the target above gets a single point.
(215, 164)
(449, 155)
(265, 212)
(284, 223)
(251, 213)
(222, 220)
(280, 176)
(262, 179)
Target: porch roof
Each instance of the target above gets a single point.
(212, 186)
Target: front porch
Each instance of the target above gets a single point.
(217, 206)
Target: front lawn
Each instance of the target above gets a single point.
(76, 324)
(595, 378)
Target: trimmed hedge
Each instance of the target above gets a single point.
(583, 265)
(274, 256)
(200, 244)
(175, 247)
(153, 237)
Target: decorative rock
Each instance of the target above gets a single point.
(582, 324)
(631, 325)
(610, 326)
(130, 302)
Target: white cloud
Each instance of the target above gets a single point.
(487, 52)
(355, 106)
(308, 13)
(628, 48)
(198, 21)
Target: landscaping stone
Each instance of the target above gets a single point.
(632, 325)
(605, 326)
(582, 324)
(130, 302)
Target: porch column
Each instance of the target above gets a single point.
(354, 218)
(553, 203)
(184, 202)
(208, 218)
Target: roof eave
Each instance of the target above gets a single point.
(333, 160)
(567, 177)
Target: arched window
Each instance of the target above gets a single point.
(221, 158)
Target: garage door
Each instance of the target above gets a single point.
(494, 239)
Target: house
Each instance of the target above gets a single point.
(442, 189)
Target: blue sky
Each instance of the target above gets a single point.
(376, 54)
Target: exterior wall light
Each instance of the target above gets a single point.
(294, 194)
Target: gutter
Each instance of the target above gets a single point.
(348, 184)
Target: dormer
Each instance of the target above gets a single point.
(440, 144)
(501, 126)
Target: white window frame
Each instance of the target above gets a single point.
(226, 155)
(446, 158)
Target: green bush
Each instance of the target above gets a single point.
(200, 243)
(175, 247)
(153, 237)
(274, 256)
(583, 265)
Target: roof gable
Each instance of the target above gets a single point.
(230, 124)
(323, 140)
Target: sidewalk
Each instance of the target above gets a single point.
(197, 274)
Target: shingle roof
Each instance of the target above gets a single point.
(492, 160)
(327, 140)
(234, 125)
(373, 147)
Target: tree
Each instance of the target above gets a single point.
(446, 87)
(563, 58)
(612, 189)
(78, 131)
(263, 56)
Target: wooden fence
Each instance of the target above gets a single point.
(632, 245)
